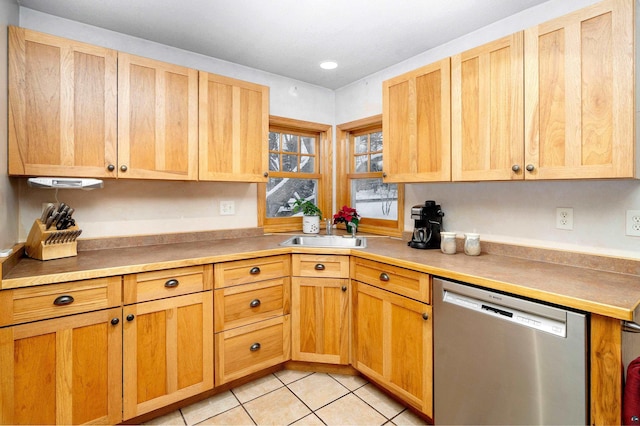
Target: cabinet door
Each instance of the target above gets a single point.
(416, 125)
(394, 344)
(157, 119)
(487, 107)
(320, 321)
(62, 106)
(168, 351)
(579, 77)
(234, 129)
(62, 371)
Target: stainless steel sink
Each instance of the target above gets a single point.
(325, 241)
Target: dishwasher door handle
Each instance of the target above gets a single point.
(630, 326)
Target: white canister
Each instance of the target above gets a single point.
(310, 224)
(472, 244)
(448, 242)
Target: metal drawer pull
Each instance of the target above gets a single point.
(255, 303)
(172, 283)
(130, 317)
(425, 316)
(115, 321)
(384, 277)
(254, 347)
(319, 267)
(63, 300)
(254, 271)
(344, 288)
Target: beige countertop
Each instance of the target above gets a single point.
(610, 294)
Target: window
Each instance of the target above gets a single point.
(380, 204)
(298, 168)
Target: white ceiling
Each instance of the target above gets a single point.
(292, 37)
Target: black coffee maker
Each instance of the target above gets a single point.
(428, 225)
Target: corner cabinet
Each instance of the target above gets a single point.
(234, 129)
(61, 353)
(320, 308)
(157, 120)
(393, 333)
(62, 106)
(167, 337)
(579, 85)
(416, 125)
(487, 111)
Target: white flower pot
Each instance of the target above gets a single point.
(311, 224)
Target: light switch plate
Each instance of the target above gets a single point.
(227, 208)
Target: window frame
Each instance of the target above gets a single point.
(324, 172)
(344, 164)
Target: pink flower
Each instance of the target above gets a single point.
(346, 214)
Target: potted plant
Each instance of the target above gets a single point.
(347, 215)
(310, 215)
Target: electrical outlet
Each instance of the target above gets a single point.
(227, 208)
(564, 218)
(633, 223)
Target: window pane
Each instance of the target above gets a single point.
(374, 199)
(361, 144)
(274, 162)
(376, 163)
(376, 141)
(290, 143)
(274, 141)
(308, 145)
(362, 164)
(289, 163)
(282, 193)
(307, 164)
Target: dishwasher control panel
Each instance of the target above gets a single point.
(527, 319)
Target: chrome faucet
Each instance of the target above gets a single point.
(354, 228)
(328, 226)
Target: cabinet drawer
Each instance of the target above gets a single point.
(315, 265)
(243, 304)
(249, 271)
(245, 350)
(55, 300)
(413, 284)
(154, 285)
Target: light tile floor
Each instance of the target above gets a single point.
(291, 397)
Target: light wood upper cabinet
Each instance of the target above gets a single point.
(157, 119)
(488, 111)
(62, 106)
(579, 103)
(234, 129)
(416, 125)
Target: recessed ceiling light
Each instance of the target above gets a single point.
(329, 65)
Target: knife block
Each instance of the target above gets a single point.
(50, 244)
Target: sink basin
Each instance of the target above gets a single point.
(325, 241)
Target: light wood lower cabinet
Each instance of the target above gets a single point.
(63, 371)
(393, 343)
(168, 351)
(320, 309)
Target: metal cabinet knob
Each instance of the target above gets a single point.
(319, 267)
(384, 174)
(172, 283)
(123, 168)
(515, 168)
(265, 174)
(111, 167)
(130, 317)
(344, 288)
(255, 303)
(115, 321)
(254, 347)
(425, 316)
(384, 276)
(530, 167)
(63, 300)
(254, 271)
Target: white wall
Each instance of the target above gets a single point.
(516, 212)
(8, 187)
(131, 207)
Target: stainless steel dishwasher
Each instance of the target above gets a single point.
(500, 359)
